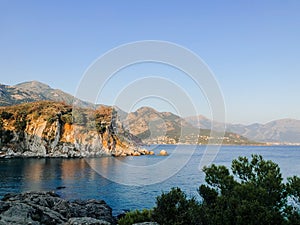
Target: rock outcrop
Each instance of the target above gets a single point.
(51, 129)
(47, 208)
(163, 153)
(146, 223)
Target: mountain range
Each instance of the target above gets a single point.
(282, 131)
(154, 127)
(161, 127)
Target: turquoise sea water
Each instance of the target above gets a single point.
(84, 178)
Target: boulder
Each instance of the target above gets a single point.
(25, 215)
(146, 223)
(163, 153)
(86, 221)
(143, 151)
(136, 154)
(151, 153)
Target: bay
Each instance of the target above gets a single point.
(131, 182)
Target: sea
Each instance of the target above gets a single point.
(128, 183)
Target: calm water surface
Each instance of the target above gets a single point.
(83, 182)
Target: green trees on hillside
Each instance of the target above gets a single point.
(252, 192)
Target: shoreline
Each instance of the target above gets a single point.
(3, 156)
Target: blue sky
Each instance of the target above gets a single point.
(252, 47)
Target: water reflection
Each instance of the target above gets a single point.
(145, 170)
(83, 182)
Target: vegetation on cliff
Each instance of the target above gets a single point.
(49, 128)
(253, 192)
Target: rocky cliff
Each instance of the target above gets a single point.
(51, 129)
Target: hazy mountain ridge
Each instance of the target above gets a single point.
(155, 127)
(277, 131)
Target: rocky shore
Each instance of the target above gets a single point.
(47, 208)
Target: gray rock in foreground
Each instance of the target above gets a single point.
(146, 223)
(86, 221)
(47, 208)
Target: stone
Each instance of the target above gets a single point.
(23, 215)
(151, 153)
(143, 151)
(146, 223)
(48, 208)
(86, 221)
(92, 208)
(136, 154)
(163, 153)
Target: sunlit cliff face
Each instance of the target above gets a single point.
(56, 129)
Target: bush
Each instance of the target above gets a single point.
(79, 117)
(6, 136)
(136, 217)
(20, 122)
(174, 208)
(67, 118)
(6, 115)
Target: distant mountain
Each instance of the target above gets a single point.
(154, 127)
(282, 131)
(33, 91)
(205, 123)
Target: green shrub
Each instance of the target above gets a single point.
(174, 208)
(21, 122)
(100, 127)
(136, 217)
(6, 115)
(51, 118)
(6, 136)
(79, 117)
(67, 118)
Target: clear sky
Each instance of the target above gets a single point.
(252, 47)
